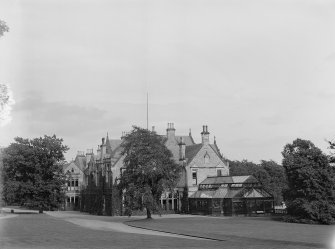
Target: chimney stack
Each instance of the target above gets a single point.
(205, 135)
(182, 148)
(80, 153)
(170, 131)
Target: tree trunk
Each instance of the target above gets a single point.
(148, 213)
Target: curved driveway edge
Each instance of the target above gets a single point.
(117, 226)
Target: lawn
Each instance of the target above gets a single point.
(262, 232)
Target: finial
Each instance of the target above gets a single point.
(190, 134)
(214, 140)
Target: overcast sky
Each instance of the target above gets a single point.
(259, 73)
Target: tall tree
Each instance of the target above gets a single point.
(270, 174)
(332, 152)
(33, 173)
(311, 182)
(149, 169)
(277, 182)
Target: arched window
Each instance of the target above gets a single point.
(206, 158)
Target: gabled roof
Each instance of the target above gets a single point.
(253, 193)
(188, 140)
(216, 150)
(191, 151)
(73, 164)
(116, 153)
(114, 143)
(217, 180)
(80, 161)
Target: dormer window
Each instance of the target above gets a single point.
(72, 170)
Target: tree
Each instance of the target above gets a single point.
(332, 153)
(3, 28)
(277, 182)
(244, 167)
(149, 169)
(33, 172)
(270, 174)
(311, 182)
(5, 97)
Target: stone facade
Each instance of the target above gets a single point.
(198, 161)
(75, 179)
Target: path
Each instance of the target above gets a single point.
(118, 225)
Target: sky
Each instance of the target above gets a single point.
(258, 73)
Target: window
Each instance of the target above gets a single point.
(194, 178)
(206, 158)
(72, 170)
(76, 183)
(219, 172)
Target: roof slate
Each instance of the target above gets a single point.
(114, 143)
(80, 161)
(191, 151)
(229, 179)
(227, 193)
(187, 140)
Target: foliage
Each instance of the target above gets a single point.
(277, 181)
(332, 148)
(6, 101)
(269, 173)
(3, 28)
(33, 172)
(149, 170)
(311, 182)
(184, 201)
(101, 199)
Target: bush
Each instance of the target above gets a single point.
(319, 211)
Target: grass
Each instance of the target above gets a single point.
(253, 231)
(42, 231)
